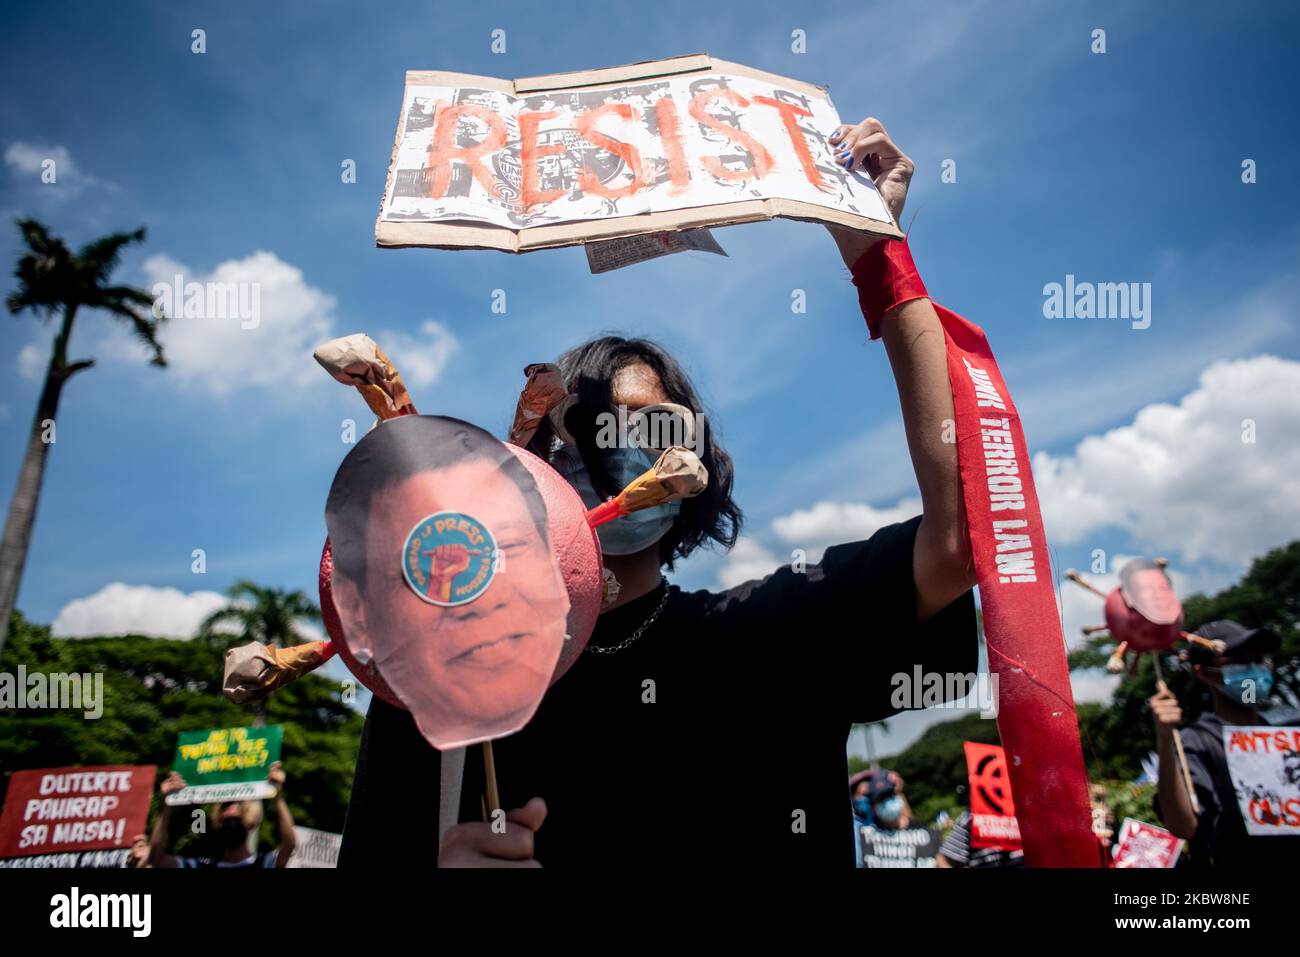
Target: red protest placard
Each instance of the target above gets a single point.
(54, 810)
(1145, 845)
(992, 810)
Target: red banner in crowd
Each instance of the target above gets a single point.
(1036, 716)
(992, 806)
(56, 810)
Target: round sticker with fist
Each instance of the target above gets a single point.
(449, 558)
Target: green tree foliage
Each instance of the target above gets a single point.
(934, 766)
(155, 688)
(1117, 735)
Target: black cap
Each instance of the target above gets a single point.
(1237, 638)
(879, 784)
(881, 787)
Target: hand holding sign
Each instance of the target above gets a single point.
(867, 147)
(480, 844)
(171, 784)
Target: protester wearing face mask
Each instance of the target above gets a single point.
(860, 798)
(1239, 681)
(889, 809)
(889, 836)
(235, 823)
(677, 689)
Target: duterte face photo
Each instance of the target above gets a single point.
(444, 576)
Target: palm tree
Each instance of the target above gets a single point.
(262, 614)
(53, 280)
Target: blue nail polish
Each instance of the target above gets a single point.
(850, 165)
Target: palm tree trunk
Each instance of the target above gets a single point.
(22, 507)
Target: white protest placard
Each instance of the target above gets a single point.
(1264, 765)
(481, 162)
(315, 848)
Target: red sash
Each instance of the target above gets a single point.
(1022, 628)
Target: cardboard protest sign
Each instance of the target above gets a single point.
(1145, 845)
(908, 847)
(1264, 765)
(315, 848)
(56, 812)
(691, 141)
(992, 810)
(226, 764)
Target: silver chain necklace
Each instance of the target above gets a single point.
(599, 650)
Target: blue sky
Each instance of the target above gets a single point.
(1116, 167)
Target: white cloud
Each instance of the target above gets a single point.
(420, 359)
(27, 160)
(121, 609)
(828, 523)
(265, 338)
(812, 530)
(32, 360)
(1093, 685)
(267, 342)
(746, 561)
(1181, 478)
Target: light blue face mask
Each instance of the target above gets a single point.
(890, 809)
(630, 533)
(1248, 684)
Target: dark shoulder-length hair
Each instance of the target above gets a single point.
(589, 370)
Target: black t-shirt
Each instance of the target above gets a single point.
(739, 759)
(1221, 839)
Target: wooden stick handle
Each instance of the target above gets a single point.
(492, 798)
(1078, 579)
(1178, 745)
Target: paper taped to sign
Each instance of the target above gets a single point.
(480, 162)
(1264, 764)
(612, 254)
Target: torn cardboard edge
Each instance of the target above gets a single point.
(467, 235)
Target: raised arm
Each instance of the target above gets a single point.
(158, 856)
(1175, 805)
(914, 342)
(286, 837)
